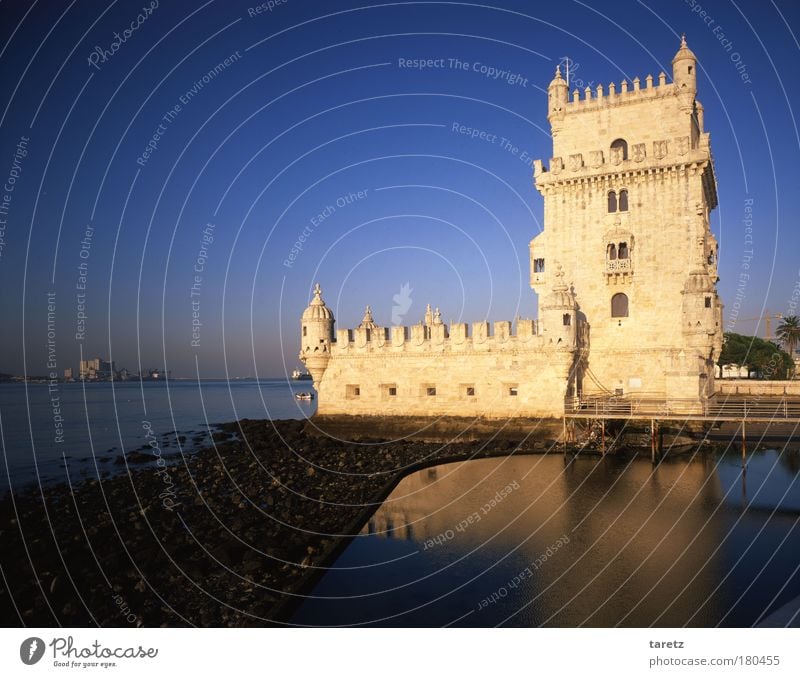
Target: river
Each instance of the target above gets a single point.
(552, 541)
(98, 421)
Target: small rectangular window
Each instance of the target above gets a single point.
(708, 301)
(470, 391)
(305, 331)
(512, 391)
(431, 391)
(538, 265)
(392, 392)
(352, 391)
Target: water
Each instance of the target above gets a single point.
(101, 420)
(544, 541)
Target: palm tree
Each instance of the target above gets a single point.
(788, 333)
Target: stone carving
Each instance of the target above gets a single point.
(660, 149)
(596, 158)
(683, 145)
(639, 152)
(616, 156)
(575, 162)
(556, 165)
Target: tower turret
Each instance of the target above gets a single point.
(684, 75)
(559, 313)
(367, 322)
(316, 336)
(557, 97)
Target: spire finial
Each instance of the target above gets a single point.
(683, 39)
(558, 70)
(317, 290)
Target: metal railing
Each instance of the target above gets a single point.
(624, 407)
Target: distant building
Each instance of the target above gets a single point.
(733, 371)
(68, 374)
(96, 369)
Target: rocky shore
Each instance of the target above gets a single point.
(231, 535)
(227, 536)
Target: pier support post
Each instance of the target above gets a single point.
(653, 441)
(744, 443)
(602, 436)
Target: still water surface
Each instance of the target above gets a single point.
(101, 420)
(543, 540)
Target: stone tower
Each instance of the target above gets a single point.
(316, 328)
(627, 200)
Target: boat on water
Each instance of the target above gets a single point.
(304, 396)
(298, 375)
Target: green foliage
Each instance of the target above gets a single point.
(757, 354)
(789, 333)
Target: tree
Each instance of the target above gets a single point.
(788, 333)
(756, 354)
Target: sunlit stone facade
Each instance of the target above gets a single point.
(625, 270)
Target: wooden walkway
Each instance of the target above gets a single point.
(718, 409)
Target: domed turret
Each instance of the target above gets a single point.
(559, 312)
(557, 96)
(684, 75)
(317, 335)
(367, 322)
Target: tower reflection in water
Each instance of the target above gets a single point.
(539, 541)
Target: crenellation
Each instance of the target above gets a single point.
(502, 331)
(625, 96)
(422, 338)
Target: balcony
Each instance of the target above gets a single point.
(618, 266)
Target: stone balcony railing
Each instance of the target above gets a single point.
(618, 266)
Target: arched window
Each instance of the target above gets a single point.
(623, 144)
(567, 319)
(612, 252)
(622, 252)
(619, 305)
(623, 200)
(612, 201)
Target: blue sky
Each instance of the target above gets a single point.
(308, 124)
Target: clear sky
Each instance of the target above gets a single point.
(181, 161)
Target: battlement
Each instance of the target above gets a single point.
(665, 152)
(439, 338)
(627, 94)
